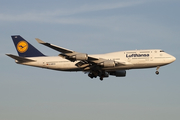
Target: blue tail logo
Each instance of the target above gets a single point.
(24, 48)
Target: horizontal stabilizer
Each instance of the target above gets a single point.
(20, 59)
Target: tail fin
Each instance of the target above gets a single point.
(24, 48)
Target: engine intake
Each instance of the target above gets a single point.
(119, 73)
(80, 57)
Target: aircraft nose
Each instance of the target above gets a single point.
(173, 58)
(170, 59)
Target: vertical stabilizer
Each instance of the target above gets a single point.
(24, 48)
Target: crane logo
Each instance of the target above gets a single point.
(22, 46)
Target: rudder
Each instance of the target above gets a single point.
(24, 48)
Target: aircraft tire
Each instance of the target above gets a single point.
(157, 72)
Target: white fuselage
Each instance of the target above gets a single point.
(134, 59)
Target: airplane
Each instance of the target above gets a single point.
(98, 65)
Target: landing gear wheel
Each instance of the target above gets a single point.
(101, 78)
(157, 72)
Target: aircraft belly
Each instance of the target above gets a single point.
(64, 66)
(125, 67)
(148, 65)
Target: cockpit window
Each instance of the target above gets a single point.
(162, 51)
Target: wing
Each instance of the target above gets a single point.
(66, 53)
(57, 48)
(86, 62)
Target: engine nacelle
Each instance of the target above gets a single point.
(108, 63)
(119, 73)
(80, 56)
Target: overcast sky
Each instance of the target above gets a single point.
(29, 93)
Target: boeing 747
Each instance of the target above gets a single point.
(98, 65)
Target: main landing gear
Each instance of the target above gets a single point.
(100, 73)
(157, 72)
(101, 78)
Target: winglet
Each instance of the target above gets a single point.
(39, 41)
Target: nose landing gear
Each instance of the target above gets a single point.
(157, 72)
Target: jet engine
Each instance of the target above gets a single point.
(80, 56)
(119, 73)
(108, 63)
